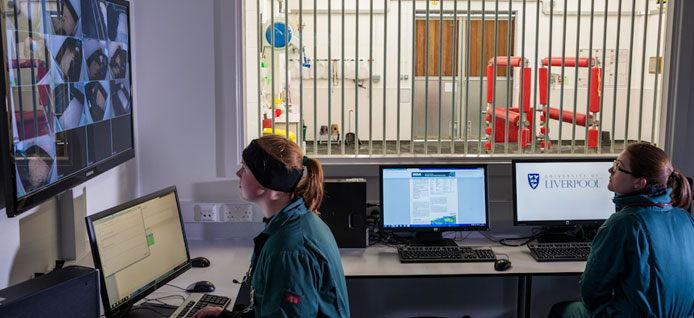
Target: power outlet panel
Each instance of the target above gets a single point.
(206, 212)
(235, 213)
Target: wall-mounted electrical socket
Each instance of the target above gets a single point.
(206, 212)
(236, 213)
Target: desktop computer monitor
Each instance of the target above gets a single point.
(561, 192)
(138, 247)
(429, 199)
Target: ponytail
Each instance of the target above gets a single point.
(310, 188)
(681, 191)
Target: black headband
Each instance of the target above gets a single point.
(269, 171)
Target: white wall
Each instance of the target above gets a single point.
(406, 60)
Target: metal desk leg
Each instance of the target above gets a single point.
(524, 296)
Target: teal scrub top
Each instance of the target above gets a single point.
(642, 262)
(297, 271)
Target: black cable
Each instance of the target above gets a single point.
(181, 288)
(150, 309)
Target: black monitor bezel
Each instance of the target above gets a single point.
(552, 222)
(124, 307)
(434, 229)
(8, 187)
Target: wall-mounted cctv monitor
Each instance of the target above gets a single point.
(67, 91)
(556, 192)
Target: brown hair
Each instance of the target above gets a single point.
(653, 164)
(310, 188)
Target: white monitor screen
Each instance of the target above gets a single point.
(445, 197)
(562, 191)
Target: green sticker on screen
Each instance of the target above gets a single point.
(150, 239)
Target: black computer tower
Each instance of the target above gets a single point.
(69, 292)
(344, 211)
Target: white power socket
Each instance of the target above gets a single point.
(206, 212)
(236, 213)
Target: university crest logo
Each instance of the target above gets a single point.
(533, 180)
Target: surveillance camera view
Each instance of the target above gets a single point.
(69, 76)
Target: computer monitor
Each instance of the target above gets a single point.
(560, 192)
(429, 199)
(138, 247)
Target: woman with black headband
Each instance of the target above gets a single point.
(641, 264)
(296, 269)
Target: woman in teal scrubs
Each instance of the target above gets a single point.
(295, 269)
(641, 263)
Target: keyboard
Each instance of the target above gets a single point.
(195, 302)
(552, 252)
(430, 254)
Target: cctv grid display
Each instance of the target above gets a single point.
(421, 197)
(562, 191)
(69, 93)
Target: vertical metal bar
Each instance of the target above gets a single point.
(508, 79)
(537, 80)
(397, 129)
(385, 56)
(522, 85)
(300, 126)
(563, 67)
(496, 69)
(602, 80)
(631, 61)
(454, 78)
(578, 42)
(258, 55)
(426, 85)
(480, 145)
(616, 73)
(272, 61)
(342, 86)
(19, 77)
(315, 76)
(31, 68)
(467, 76)
(643, 71)
(414, 59)
(549, 76)
(440, 70)
(590, 77)
(330, 78)
(356, 80)
(657, 69)
(286, 70)
(371, 78)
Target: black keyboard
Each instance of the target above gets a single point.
(551, 252)
(429, 254)
(190, 307)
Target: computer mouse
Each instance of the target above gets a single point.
(502, 264)
(202, 286)
(200, 262)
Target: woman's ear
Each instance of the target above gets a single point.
(640, 183)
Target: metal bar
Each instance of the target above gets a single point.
(330, 78)
(272, 61)
(286, 71)
(426, 86)
(414, 59)
(616, 76)
(385, 56)
(508, 79)
(561, 88)
(19, 76)
(356, 81)
(657, 69)
(397, 129)
(453, 71)
(480, 145)
(496, 69)
(590, 77)
(467, 77)
(31, 68)
(440, 70)
(315, 75)
(549, 78)
(371, 78)
(578, 42)
(631, 61)
(537, 80)
(342, 86)
(522, 85)
(643, 72)
(258, 55)
(602, 80)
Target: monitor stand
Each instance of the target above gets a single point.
(432, 239)
(560, 234)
